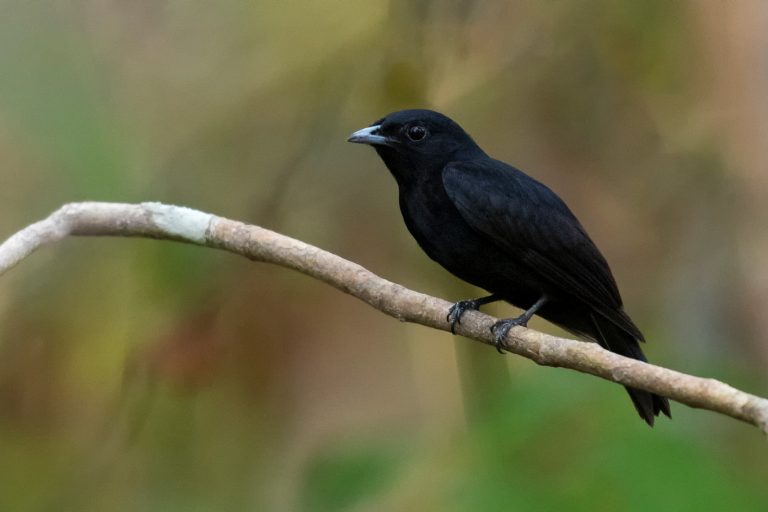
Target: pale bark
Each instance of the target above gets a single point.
(155, 220)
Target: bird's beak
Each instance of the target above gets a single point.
(369, 135)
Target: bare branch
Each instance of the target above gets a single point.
(155, 220)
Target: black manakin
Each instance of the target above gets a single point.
(495, 227)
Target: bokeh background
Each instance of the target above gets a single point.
(152, 376)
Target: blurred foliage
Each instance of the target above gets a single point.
(138, 375)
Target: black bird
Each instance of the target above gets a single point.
(493, 226)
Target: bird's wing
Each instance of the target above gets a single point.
(534, 226)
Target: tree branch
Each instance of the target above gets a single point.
(155, 220)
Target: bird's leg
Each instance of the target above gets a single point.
(502, 327)
(458, 309)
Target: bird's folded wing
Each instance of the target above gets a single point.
(535, 227)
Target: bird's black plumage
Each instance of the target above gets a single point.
(493, 226)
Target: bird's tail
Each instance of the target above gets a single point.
(617, 340)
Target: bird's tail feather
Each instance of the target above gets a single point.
(611, 337)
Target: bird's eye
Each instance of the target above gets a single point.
(416, 133)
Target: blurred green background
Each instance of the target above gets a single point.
(151, 376)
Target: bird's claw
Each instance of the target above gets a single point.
(501, 328)
(457, 310)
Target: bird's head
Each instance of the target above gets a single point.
(415, 142)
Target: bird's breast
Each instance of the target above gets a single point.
(447, 238)
(435, 223)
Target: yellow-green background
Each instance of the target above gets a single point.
(139, 375)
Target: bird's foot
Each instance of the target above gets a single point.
(458, 309)
(502, 327)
